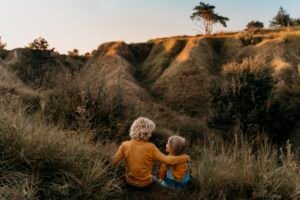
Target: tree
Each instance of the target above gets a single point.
(204, 13)
(252, 25)
(74, 52)
(281, 19)
(87, 54)
(39, 44)
(296, 22)
(2, 45)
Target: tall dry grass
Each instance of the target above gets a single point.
(245, 169)
(40, 161)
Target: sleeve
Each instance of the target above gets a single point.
(162, 171)
(170, 160)
(118, 156)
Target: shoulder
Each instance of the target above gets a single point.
(125, 144)
(150, 145)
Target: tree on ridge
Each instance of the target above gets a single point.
(204, 13)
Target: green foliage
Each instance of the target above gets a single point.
(39, 44)
(282, 18)
(207, 17)
(2, 45)
(241, 98)
(253, 25)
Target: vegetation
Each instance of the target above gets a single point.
(81, 102)
(74, 52)
(41, 161)
(204, 13)
(57, 139)
(241, 98)
(39, 44)
(253, 25)
(244, 98)
(283, 19)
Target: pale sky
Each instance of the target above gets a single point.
(85, 24)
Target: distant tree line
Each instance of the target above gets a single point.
(204, 13)
(283, 19)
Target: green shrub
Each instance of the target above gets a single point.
(241, 97)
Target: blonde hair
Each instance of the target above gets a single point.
(177, 144)
(141, 129)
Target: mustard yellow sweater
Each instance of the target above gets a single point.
(139, 157)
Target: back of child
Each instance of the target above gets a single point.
(175, 176)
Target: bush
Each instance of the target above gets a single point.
(81, 102)
(248, 38)
(253, 25)
(36, 68)
(241, 97)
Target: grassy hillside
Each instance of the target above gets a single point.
(63, 116)
(169, 79)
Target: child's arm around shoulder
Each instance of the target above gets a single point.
(170, 160)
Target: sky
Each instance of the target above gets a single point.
(85, 24)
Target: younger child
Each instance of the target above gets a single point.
(139, 154)
(175, 176)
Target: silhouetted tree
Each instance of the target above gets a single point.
(254, 25)
(281, 19)
(39, 44)
(296, 22)
(74, 52)
(2, 45)
(87, 54)
(204, 13)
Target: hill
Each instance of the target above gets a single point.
(168, 79)
(61, 116)
(165, 79)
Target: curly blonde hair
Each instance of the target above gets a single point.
(142, 128)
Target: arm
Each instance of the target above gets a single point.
(118, 155)
(170, 160)
(162, 171)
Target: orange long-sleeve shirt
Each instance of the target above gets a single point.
(139, 157)
(178, 171)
